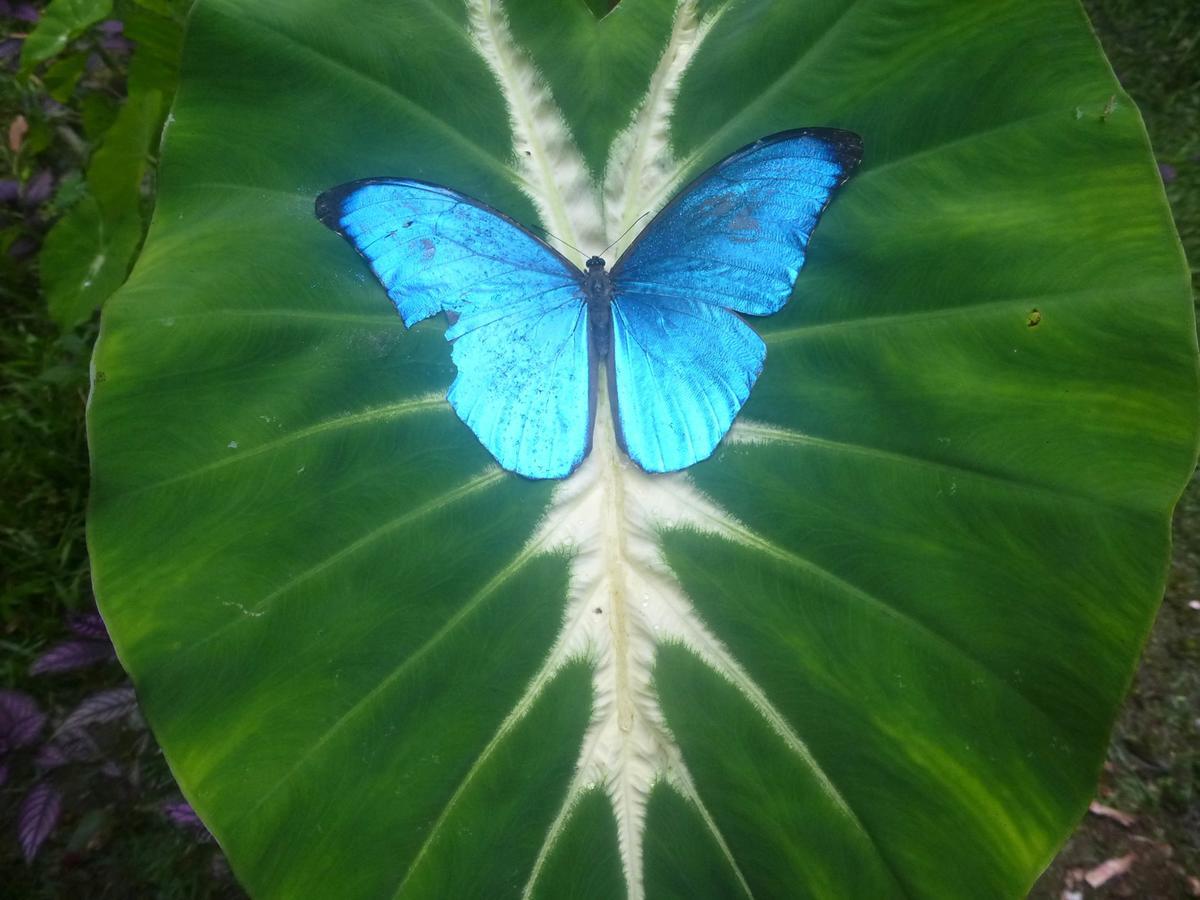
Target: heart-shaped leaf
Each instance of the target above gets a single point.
(872, 648)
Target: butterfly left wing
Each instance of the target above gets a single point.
(733, 241)
(520, 320)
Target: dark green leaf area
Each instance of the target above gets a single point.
(86, 257)
(394, 117)
(683, 859)
(883, 67)
(487, 844)
(889, 707)
(600, 70)
(787, 833)
(585, 863)
(395, 706)
(1055, 334)
(257, 362)
(158, 36)
(996, 581)
(599, 8)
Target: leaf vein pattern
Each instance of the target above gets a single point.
(749, 432)
(364, 417)
(382, 87)
(396, 674)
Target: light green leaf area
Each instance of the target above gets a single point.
(89, 251)
(872, 648)
(61, 21)
(86, 257)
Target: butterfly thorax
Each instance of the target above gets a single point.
(597, 285)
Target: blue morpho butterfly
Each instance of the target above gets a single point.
(530, 328)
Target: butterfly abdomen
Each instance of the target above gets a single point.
(597, 285)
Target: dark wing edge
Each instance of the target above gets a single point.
(848, 152)
(329, 207)
(329, 204)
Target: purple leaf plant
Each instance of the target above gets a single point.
(97, 747)
(90, 646)
(181, 814)
(37, 817)
(21, 11)
(21, 721)
(103, 706)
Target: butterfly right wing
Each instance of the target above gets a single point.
(520, 321)
(732, 241)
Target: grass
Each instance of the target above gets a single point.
(119, 844)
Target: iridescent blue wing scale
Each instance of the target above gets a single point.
(733, 241)
(683, 370)
(519, 317)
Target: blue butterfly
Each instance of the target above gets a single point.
(530, 328)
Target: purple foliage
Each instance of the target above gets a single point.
(105, 706)
(112, 37)
(21, 720)
(53, 108)
(68, 656)
(181, 813)
(1168, 172)
(10, 190)
(10, 51)
(23, 247)
(76, 746)
(37, 817)
(88, 625)
(25, 12)
(50, 756)
(39, 188)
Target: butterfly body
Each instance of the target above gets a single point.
(530, 330)
(598, 288)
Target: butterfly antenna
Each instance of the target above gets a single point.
(625, 232)
(560, 240)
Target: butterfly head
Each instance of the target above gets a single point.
(595, 263)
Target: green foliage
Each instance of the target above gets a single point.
(62, 21)
(89, 252)
(951, 550)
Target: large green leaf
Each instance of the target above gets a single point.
(872, 648)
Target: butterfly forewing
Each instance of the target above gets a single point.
(521, 345)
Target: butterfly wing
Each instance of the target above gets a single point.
(519, 320)
(733, 241)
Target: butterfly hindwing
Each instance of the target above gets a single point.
(733, 241)
(523, 383)
(520, 321)
(683, 370)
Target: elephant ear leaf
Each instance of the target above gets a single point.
(873, 647)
